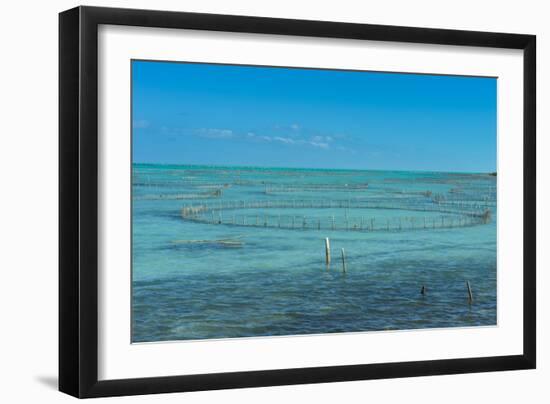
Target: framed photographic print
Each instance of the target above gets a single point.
(250, 201)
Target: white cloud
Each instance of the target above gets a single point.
(317, 141)
(255, 137)
(285, 140)
(320, 141)
(320, 145)
(216, 133)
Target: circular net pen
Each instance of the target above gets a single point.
(348, 215)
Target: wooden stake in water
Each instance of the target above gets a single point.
(327, 251)
(423, 290)
(470, 295)
(343, 261)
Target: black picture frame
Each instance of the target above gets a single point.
(78, 201)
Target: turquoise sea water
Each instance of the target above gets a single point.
(223, 252)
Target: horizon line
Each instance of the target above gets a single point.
(244, 166)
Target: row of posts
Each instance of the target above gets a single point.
(472, 210)
(344, 270)
(360, 224)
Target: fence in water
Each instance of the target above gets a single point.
(286, 188)
(358, 215)
(175, 196)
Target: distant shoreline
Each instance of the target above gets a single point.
(244, 167)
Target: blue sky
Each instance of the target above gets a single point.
(186, 113)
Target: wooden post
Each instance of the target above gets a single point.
(343, 261)
(423, 290)
(470, 295)
(327, 251)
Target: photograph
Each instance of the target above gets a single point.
(272, 201)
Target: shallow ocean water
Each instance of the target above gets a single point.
(196, 278)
